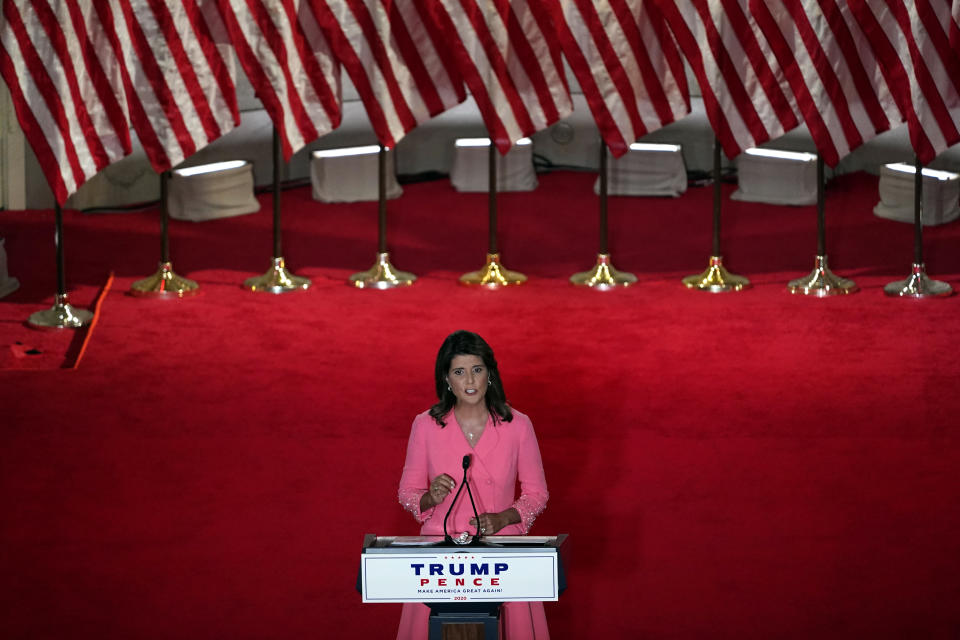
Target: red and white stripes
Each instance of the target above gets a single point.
(392, 54)
(61, 79)
(744, 94)
(935, 77)
(179, 91)
(912, 42)
(955, 26)
(82, 73)
(290, 65)
(508, 55)
(627, 64)
(832, 71)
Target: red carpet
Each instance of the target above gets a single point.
(750, 465)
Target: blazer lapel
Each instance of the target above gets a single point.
(489, 442)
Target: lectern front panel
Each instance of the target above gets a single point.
(396, 570)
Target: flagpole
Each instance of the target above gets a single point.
(603, 276)
(918, 284)
(717, 202)
(278, 279)
(62, 315)
(716, 279)
(821, 208)
(492, 199)
(493, 275)
(277, 155)
(382, 200)
(164, 283)
(382, 275)
(604, 186)
(821, 282)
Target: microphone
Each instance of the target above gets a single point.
(466, 465)
(465, 482)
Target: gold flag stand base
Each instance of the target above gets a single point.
(493, 275)
(277, 280)
(382, 275)
(603, 276)
(716, 279)
(918, 285)
(822, 282)
(62, 315)
(164, 284)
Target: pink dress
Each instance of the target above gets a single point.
(506, 452)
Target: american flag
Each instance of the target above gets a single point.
(392, 51)
(913, 42)
(509, 57)
(746, 97)
(179, 91)
(62, 81)
(627, 64)
(955, 26)
(831, 68)
(290, 65)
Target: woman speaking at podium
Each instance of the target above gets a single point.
(472, 418)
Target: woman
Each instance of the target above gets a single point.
(472, 418)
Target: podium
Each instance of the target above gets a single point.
(462, 585)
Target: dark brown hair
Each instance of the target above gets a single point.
(467, 343)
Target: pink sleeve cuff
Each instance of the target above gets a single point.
(529, 507)
(410, 500)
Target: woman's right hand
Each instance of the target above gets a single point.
(440, 487)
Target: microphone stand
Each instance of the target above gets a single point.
(475, 541)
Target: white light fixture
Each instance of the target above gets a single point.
(470, 170)
(485, 142)
(209, 191)
(209, 168)
(941, 203)
(348, 151)
(650, 146)
(8, 284)
(647, 169)
(927, 173)
(783, 155)
(350, 174)
(773, 176)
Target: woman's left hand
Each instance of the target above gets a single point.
(490, 523)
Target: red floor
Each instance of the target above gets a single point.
(751, 465)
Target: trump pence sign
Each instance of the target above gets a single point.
(465, 576)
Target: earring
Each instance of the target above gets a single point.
(448, 388)
(489, 382)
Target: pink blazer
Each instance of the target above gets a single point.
(505, 454)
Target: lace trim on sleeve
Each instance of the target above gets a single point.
(529, 509)
(410, 500)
